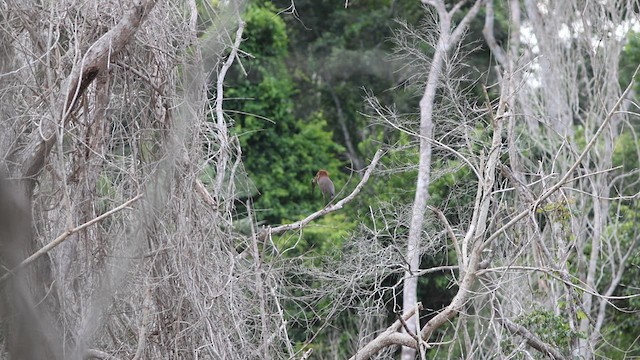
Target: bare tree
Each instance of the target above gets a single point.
(104, 114)
(448, 37)
(579, 55)
(47, 69)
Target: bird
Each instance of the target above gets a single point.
(324, 183)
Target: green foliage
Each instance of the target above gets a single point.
(622, 331)
(550, 328)
(324, 237)
(558, 212)
(397, 187)
(281, 153)
(265, 33)
(625, 154)
(630, 60)
(304, 79)
(335, 52)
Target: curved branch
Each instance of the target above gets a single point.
(391, 336)
(449, 229)
(223, 136)
(31, 159)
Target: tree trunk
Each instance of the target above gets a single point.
(446, 40)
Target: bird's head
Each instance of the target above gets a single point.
(322, 173)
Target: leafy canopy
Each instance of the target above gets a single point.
(281, 152)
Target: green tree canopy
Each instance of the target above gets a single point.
(281, 152)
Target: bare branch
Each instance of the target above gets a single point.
(447, 226)
(464, 23)
(560, 275)
(532, 339)
(57, 241)
(567, 176)
(391, 336)
(436, 269)
(489, 36)
(337, 206)
(223, 136)
(83, 73)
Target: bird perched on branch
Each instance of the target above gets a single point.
(324, 183)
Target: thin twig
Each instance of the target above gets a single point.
(568, 173)
(221, 124)
(449, 229)
(406, 327)
(57, 241)
(223, 72)
(554, 274)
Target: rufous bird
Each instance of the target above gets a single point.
(324, 183)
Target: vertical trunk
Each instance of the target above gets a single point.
(601, 204)
(409, 291)
(557, 110)
(358, 164)
(446, 40)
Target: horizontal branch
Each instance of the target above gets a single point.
(436, 269)
(560, 276)
(57, 241)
